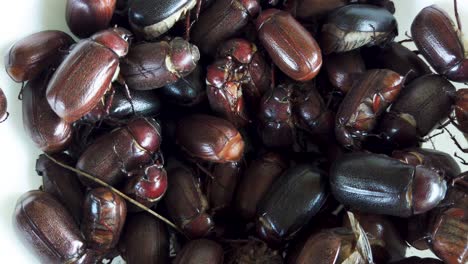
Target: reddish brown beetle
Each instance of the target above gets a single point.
(186, 203)
(200, 251)
(364, 103)
(438, 41)
(47, 130)
(86, 17)
(289, 44)
(344, 69)
(45, 226)
(153, 65)
(120, 151)
(86, 74)
(104, 215)
(28, 57)
(210, 138)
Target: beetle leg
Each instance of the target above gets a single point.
(6, 117)
(457, 16)
(121, 80)
(465, 150)
(462, 160)
(108, 103)
(405, 40)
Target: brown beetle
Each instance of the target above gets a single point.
(144, 240)
(210, 138)
(364, 103)
(86, 74)
(104, 215)
(122, 150)
(30, 56)
(61, 183)
(45, 226)
(186, 203)
(344, 69)
(155, 64)
(438, 41)
(220, 190)
(289, 44)
(48, 131)
(200, 251)
(257, 180)
(86, 17)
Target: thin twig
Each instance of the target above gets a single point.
(141, 206)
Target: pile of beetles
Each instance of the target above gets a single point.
(242, 131)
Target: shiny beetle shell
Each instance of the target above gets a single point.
(86, 17)
(353, 26)
(289, 44)
(104, 214)
(45, 226)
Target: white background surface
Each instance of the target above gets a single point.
(17, 153)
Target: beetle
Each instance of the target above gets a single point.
(48, 131)
(364, 103)
(3, 107)
(353, 26)
(378, 184)
(113, 155)
(200, 251)
(291, 47)
(461, 110)
(86, 74)
(137, 246)
(397, 58)
(221, 189)
(344, 69)
(45, 226)
(434, 159)
(209, 138)
(61, 183)
(291, 202)
(222, 20)
(186, 203)
(438, 41)
(224, 90)
(104, 214)
(31, 55)
(275, 118)
(85, 17)
(151, 19)
(424, 104)
(155, 64)
(186, 91)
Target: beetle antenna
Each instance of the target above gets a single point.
(457, 16)
(124, 196)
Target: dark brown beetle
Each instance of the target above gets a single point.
(424, 104)
(86, 17)
(313, 9)
(275, 118)
(30, 56)
(220, 190)
(46, 227)
(209, 138)
(153, 65)
(290, 203)
(48, 131)
(440, 161)
(200, 251)
(353, 26)
(122, 150)
(221, 21)
(291, 47)
(153, 18)
(461, 109)
(418, 260)
(439, 42)
(344, 69)
(187, 91)
(186, 203)
(224, 90)
(449, 236)
(104, 215)
(86, 74)
(144, 240)
(364, 103)
(257, 180)
(379, 184)
(397, 58)
(61, 183)
(3, 107)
